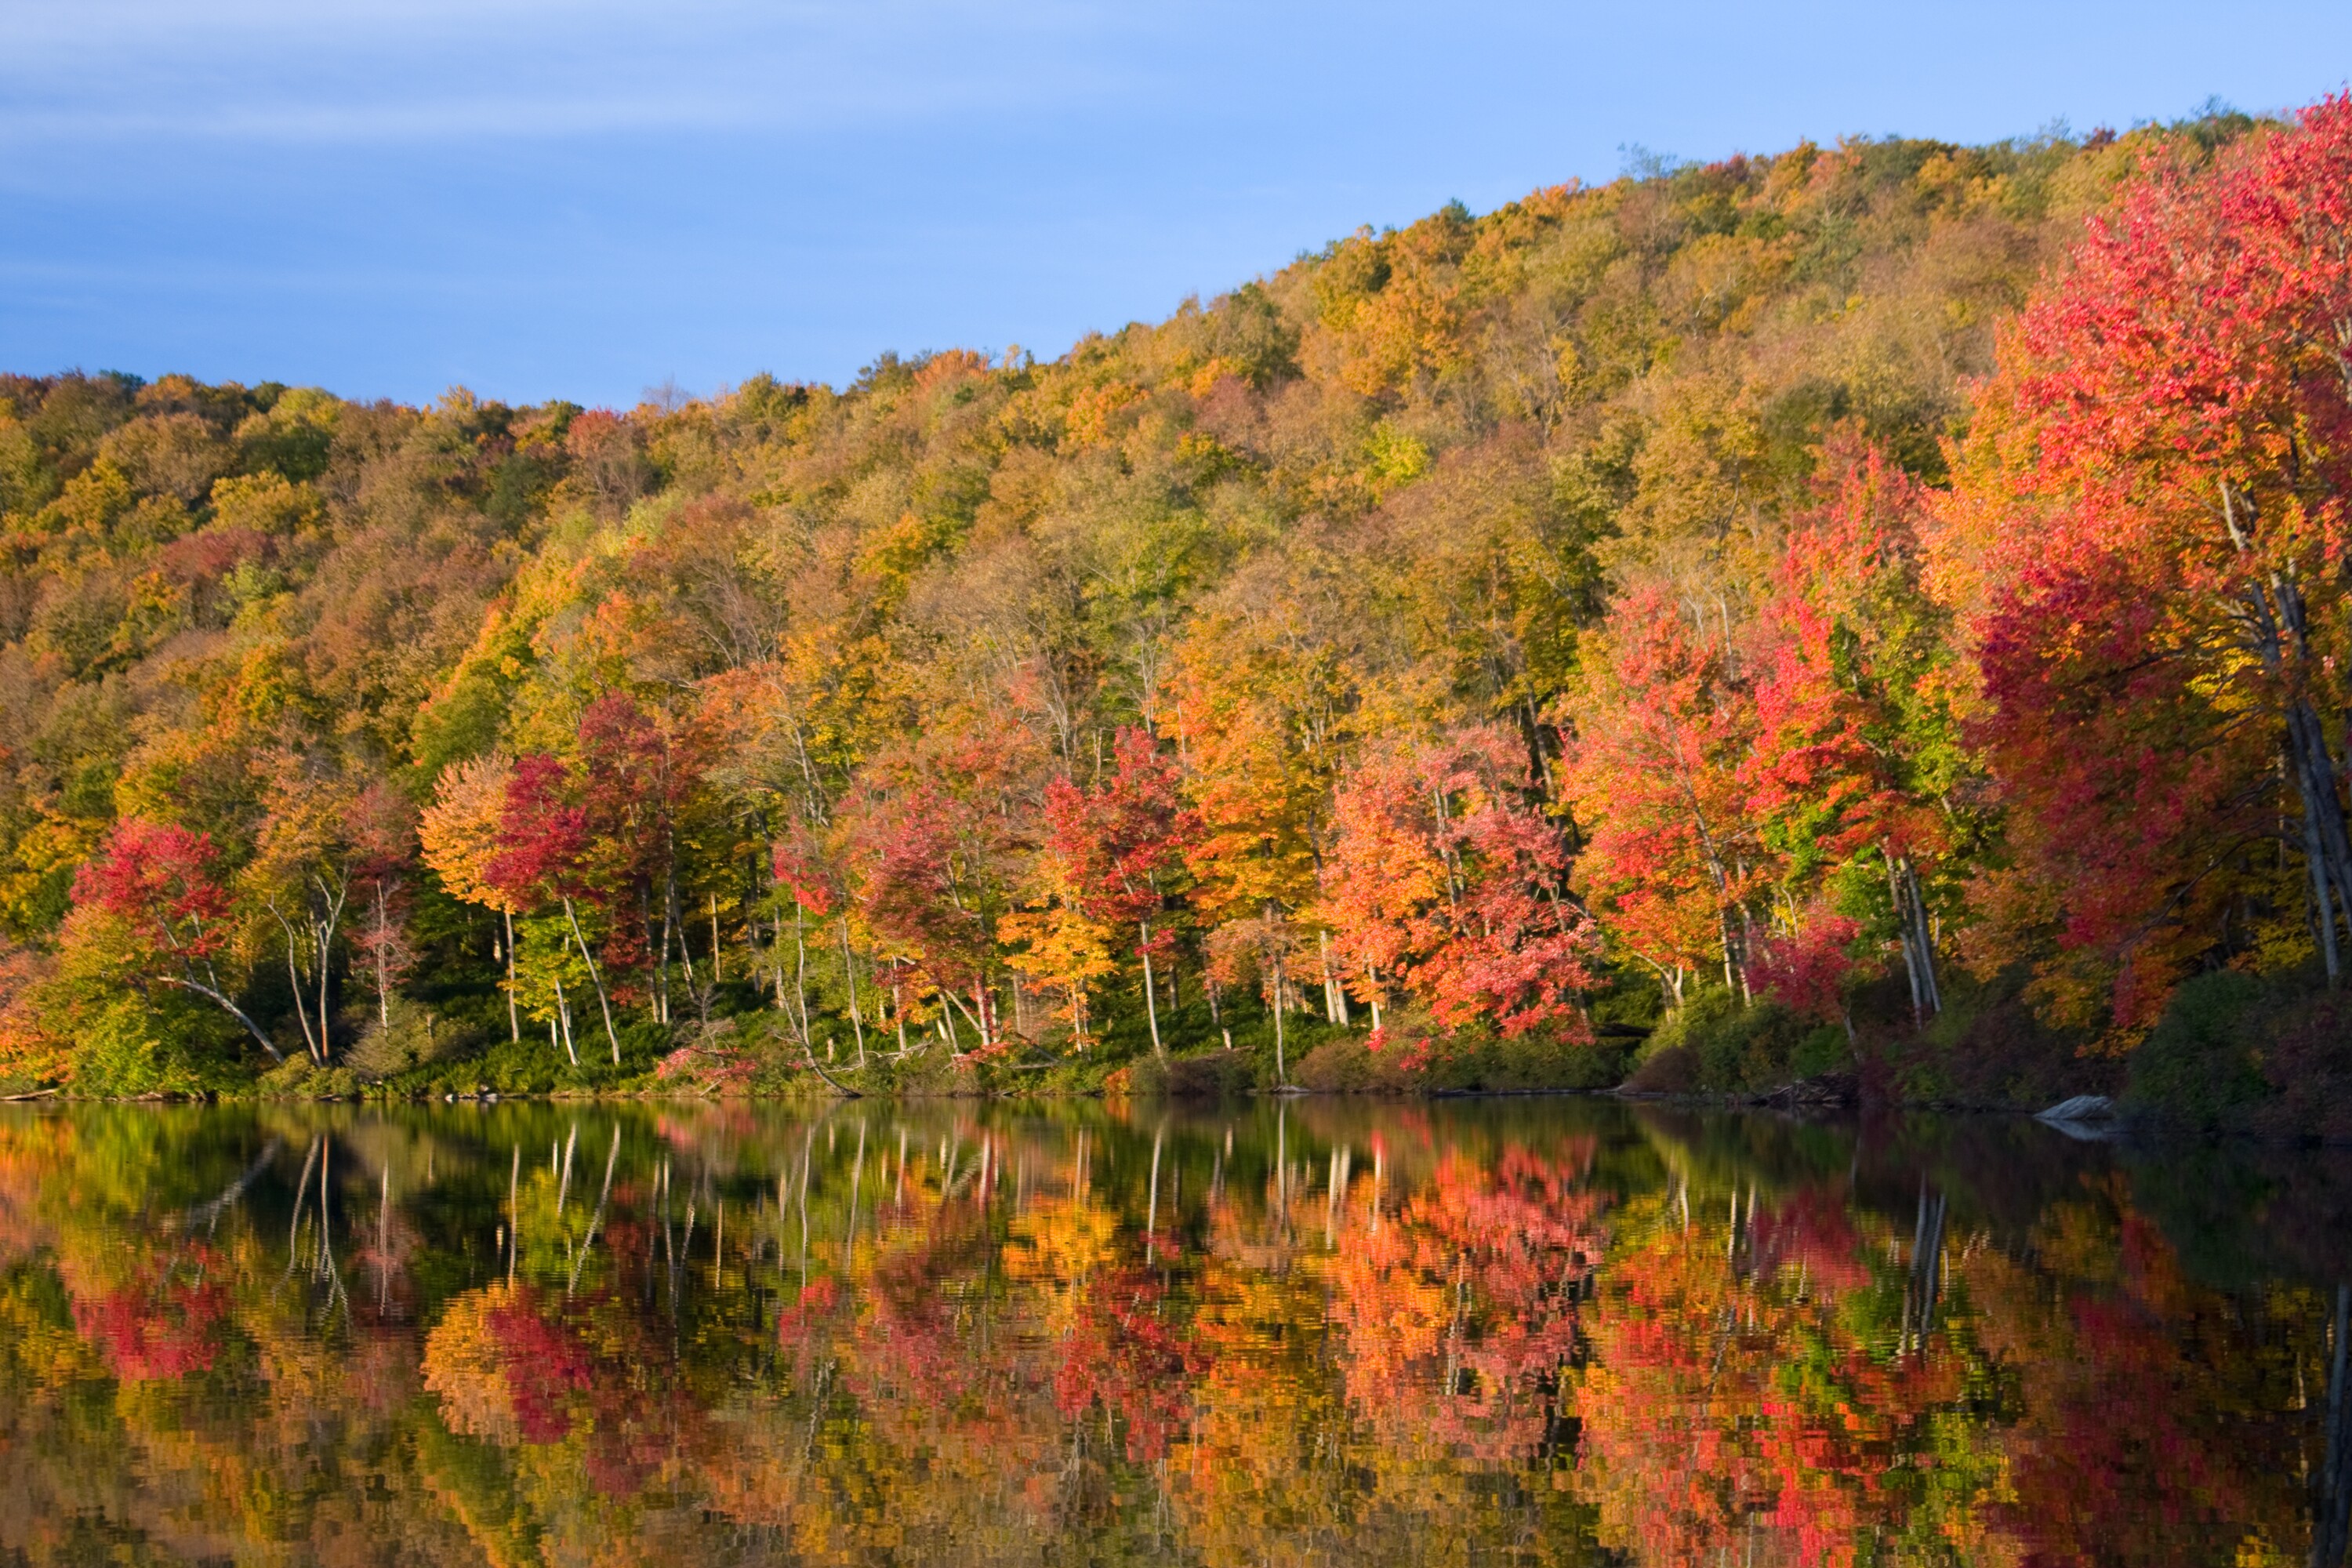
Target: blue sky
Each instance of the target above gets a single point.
(588, 199)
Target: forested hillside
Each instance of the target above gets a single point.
(1880, 601)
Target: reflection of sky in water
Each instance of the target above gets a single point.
(1305, 1333)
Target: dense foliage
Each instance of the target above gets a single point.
(1678, 603)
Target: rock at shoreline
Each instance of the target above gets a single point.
(2084, 1116)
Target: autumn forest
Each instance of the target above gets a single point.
(1876, 613)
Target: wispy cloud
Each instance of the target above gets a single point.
(266, 70)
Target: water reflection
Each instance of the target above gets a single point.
(1296, 1332)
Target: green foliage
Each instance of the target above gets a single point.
(2235, 1052)
(1736, 1049)
(412, 1036)
(2199, 1067)
(129, 1046)
(300, 1079)
(1989, 1047)
(1204, 1075)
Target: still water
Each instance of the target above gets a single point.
(1308, 1333)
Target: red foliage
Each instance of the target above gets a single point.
(1139, 1364)
(1829, 646)
(157, 879)
(931, 862)
(542, 836)
(1124, 840)
(1458, 1311)
(1806, 971)
(718, 1067)
(818, 1301)
(544, 1365)
(799, 866)
(914, 892)
(1660, 733)
(1445, 883)
(155, 1329)
(1811, 1230)
(381, 832)
(637, 772)
(2146, 540)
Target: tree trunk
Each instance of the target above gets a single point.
(658, 1004)
(2322, 906)
(328, 920)
(2323, 808)
(595, 978)
(2331, 1486)
(839, 1087)
(1895, 894)
(1151, 1003)
(2280, 627)
(1281, 1069)
(674, 924)
(382, 971)
(1332, 988)
(326, 935)
(1924, 931)
(561, 1024)
(294, 982)
(514, 1018)
(799, 976)
(849, 977)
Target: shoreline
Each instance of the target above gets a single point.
(1775, 1101)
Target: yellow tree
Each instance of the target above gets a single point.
(1257, 725)
(300, 876)
(459, 833)
(1056, 940)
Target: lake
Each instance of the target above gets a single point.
(1306, 1332)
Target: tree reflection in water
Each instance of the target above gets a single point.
(1314, 1332)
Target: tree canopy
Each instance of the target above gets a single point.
(1826, 583)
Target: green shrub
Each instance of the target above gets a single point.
(412, 1037)
(1204, 1075)
(534, 1065)
(130, 1044)
(1824, 1049)
(2198, 1068)
(1988, 1046)
(2237, 1053)
(1737, 1049)
(298, 1078)
(1674, 1071)
(933, 1071)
